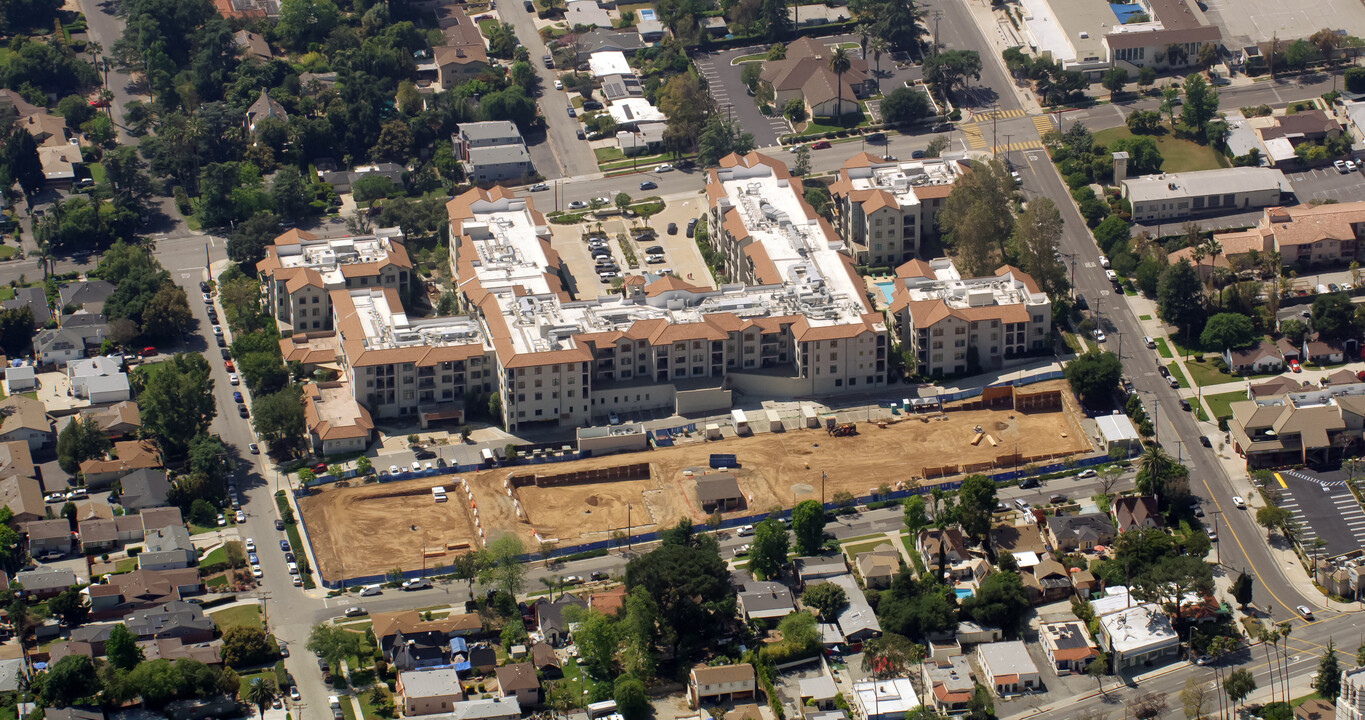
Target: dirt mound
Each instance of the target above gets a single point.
(1002, 426)
(592, 500)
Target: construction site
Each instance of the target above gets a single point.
(355, 531)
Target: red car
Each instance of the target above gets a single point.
(228, 364)
(1294, 365)
(148, 351)
(320, 468)
(99, 103)
(820, 145)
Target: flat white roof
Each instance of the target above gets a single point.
(901, 178)
(1170, 186)
(1138, 628)
(961, 293)
(387, 327)
(609, 62)
(1007, 658)
(328, 255)
(895, 696)
(1116, 428)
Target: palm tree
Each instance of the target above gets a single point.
(839, 62)
(554, 583)
(1268, 636)
(1285, 629)
(1154, 467)
(879, 46)
(864, 32)
(260, 693)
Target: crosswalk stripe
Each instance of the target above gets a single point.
(1043, 123)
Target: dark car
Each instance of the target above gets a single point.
(876, 137)
(530, 6)
(685, 164)
(284, 544)
(1028, 483)
(592, 105)
(672, 228)
(598, 575)
(648, 185)
(424, 455)
(691, 227)
(289, 557)
(279, 525)
(917, 154)
(1184, 404)
(227, 354)
(243, 412)
(203, 286)
(1204, 440)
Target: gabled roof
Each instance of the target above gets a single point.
(517, 676)
(22, 412)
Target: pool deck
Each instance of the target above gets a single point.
(877, 287)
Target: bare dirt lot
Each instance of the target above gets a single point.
(368, 530)
(355, 530)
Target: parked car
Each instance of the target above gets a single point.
(55, 497)
(294, 691)
(416, 584)
(1340, 165)
(254, 448)
(256, 571)
(538, 187)
(221, 520)
(663, 168)
(279, 525)
(820, 145)
(1087, 473)
(672, 228)
(1294, 365)
(572, 112)
(577, 205)
(240, 517)
(1057, 499)
(233, 380)
(746, 531)
(355, 611)
(1028, 483)
(691, 227)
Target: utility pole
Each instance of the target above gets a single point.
(938, 15)
(823, 476)
(995, 120)
(629, 507)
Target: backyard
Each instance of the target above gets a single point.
(1178, 155)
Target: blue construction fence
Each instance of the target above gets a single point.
(645, 538)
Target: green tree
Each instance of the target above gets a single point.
(915, 514)
(828, 598)
(769, 549)
(1328, 680)
(289, 195)
(1180, 297)
(598, 639)
(278, 417)
(1242, 589)
(720, 137)
(1114, 79)
(251, 237)
(245, 645)
(1094, 374)
(1272, 518)
(69, 679)
(176, 402)
(1097, 670)
(905, 105)
(947, 70)
(21, 157)
(167, 312)
(82, 439)
(261, 692)
(1227, 330)
(1143, 156)
(1239, 684)
(333, 643)
(691, 585)
(1112, 234)
(1000, 601)
(1037, 232)
(70, 606)
(622, 201)
(839, 63)
(631, 699)
(977, 218)
(1201, 102)
(976, 506)
(1294, 330)
(1334, 317)
(304, 20)
(121, 648)
(504, 567)
(808, 525)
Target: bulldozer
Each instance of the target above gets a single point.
(844, 430)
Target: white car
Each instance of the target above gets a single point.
(1350, 166)
(1305, 612)
(241, 517)
(604, 200)
(794, 148)
(250, 545)
(577, 205)
(539, 187)
(1089, 473)
(221, 520)
(1239, 502)
(1104, 262)
(233, 380)
(664, 168)
(559, 85)
(256, 571)
(741, 551)
(746, 531)
(294, 694)
(54, 497)
(1099, 335)
(393, 470)
(613, 419)
(293, 568)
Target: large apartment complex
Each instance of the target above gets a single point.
(885, 210)
(301, 270)
(954, 326)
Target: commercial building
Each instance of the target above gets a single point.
(1315, 427)
(888, 699)
(954, 326)
(1117, 431)
(804, 73)
(948, 677)
(300, 269)
(1139, 634)
(1007, 668)
(1172, 196)
(886, 210)
(1068, 646)
(493, 151)
(1092, 37)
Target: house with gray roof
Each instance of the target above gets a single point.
(59, 346)
(73, 713)
(600, 39)
(48, 536)
(342, 180)
(84, 294)
(264, 108)
(167, 548)
(856, 620)
(174, 619)
(765, 601)
(1083, 532)
(32, 298)
(144, 488)
(492, 151)
(45, 581)
(503, 708)
(819, 567)
(11, 670)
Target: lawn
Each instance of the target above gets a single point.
(1163, 349)
(1144, 317)
(487, 26)
(755, 57)
(96, 172)
(1178, 155)
(7, 252)
(1220, 404)
(1178, 374)
(249, 615)
(573, 677)
(366, 708)
(854, 549)
(217, 556)
(1301, 700)
(246, 678)
(347, 707)
(607, 154)
(851, 120)
(909, 543)
(125, 565)
(6, 292)
(217, 583)
(1073, 343)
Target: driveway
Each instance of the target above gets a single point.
(731, 95)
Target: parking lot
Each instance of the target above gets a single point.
(1327, 184)
(730, 94)
(680, 254)
(1324, 507)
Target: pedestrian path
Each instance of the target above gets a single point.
(1043, 123)
(975, 141)
(998, 114)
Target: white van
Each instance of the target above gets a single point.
(333, 701)
(1149, 342)
(370, 590)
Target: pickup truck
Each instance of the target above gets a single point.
(416, 584)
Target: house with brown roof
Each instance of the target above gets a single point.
(1046, 582)
(312, 350)
(1274, 387)
(126, 457)
(886, 210)
(546, 662)
(253, 46)
(300, 270)
(519, 680)
(719, 492)
(1132, 512)
(119, 421)
(1311, 426)
(24, 498)
(336, 422)
(608, 602)
(1263, 357)
(804, 73)
(48, 536)
(25, 419)
(265, 108)
(1339, 378)
(123, 593)
(1326, 352)
(930, 543)
(97, 536)
(1068, 646)
(878, 566)
(458, 64)
(942, 317)
(949, 680)
(720, 684)
(391, 627)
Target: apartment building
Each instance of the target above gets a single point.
(300, 271)
(954, 325)
(1305, 235)
(886, 210)
(401, 367)
(800, 324)
(492, 151)
(1314, 427)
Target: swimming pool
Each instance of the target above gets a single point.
(963, 593)
(888, 287)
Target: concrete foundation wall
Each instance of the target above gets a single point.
(698, 402)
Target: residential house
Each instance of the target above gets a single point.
(1280, 135)
(1340, 377)
(805, 73)
(173, 619)
(1068, 646)
(167, 548)
(265, 108)
(174, 648)
(24, 498)
(16, 461)
(100, 380)
(949, 682)
(73, 713)
(458, 64)
(128, 456)
(409, 642)
(1304, 235)
(1048, 581)
(49, 537)
(519, 680)
(1275, 387)
(20, 379)
(1079, 532)
(553, 626)
(1084, 584)
(720, 684)
(1007, 667)
(608, 602)
(58, 346)
(503, 708)
(1131, 513)
(97, 535)
(26, 420)
(336, 422)
(810, 570)
(879, 566)
(144, 488)
(1324, 352)
(947, 543)
(428, 691)
(586, 12)
(45, 582)
(118, 421)
(546, 662)
(765, 601)
(1011, 538)
(1263, 357)
(492, 151)
(154, 518)
(342, 180)
(719, 492)
(59, 164)
(253, 46)
(89, 295)
(1289, 351)
(885, 699)
(818, 692)
(128, 592)
(33, 298)
(857, 622)
(599, 40)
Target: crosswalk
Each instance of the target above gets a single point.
(998, 114)
(1043, 123)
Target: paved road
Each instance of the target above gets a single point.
(574, 156)
(106, 28)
